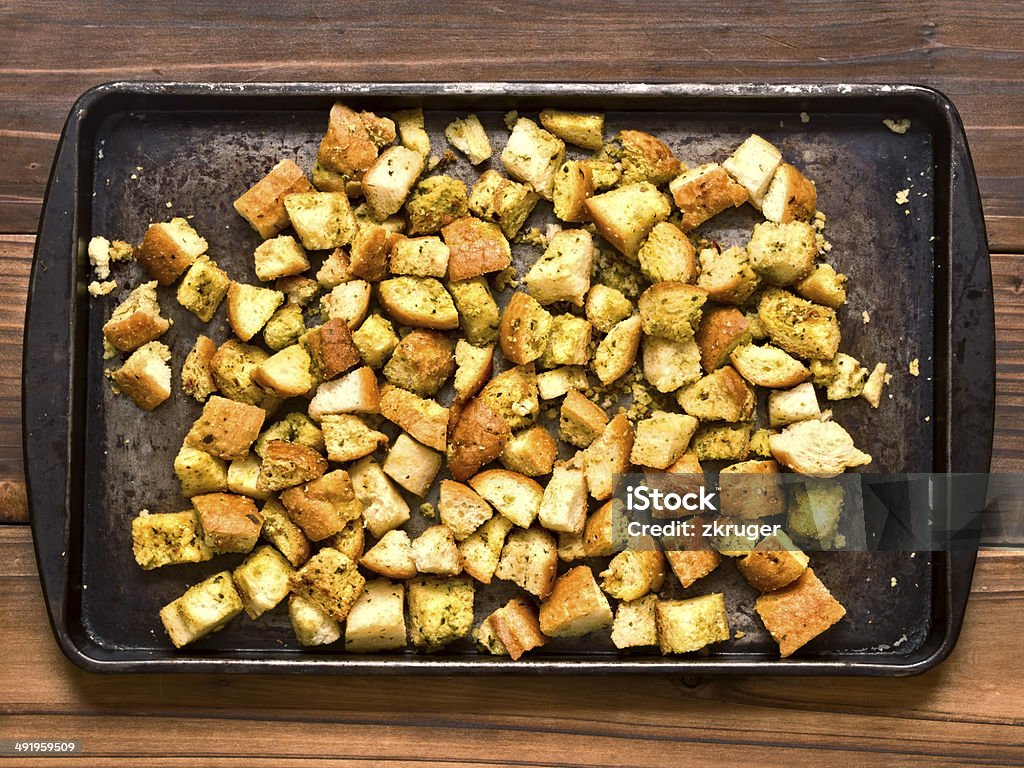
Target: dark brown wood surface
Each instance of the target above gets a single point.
(969, 711)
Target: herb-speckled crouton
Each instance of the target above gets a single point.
(616, 353)
(262, 205)
(284, 327)
(669, 365)
(421, 302)
(205, 608)
(524, 330)
(281, 531)
(384, 508)
(482, 549)
(312, 625)
(576, 605)
(667, 254)
(376, 621)
(330, 580)
(584, 129)
(321, 219)
(203, 288)
(469, 137)
(532, 155)
(635, 625)
(434, 203)
(569, 342)
(555, 383)
(798, 612)
(607, 458)
(323, 507)
(661, 439)
(790, 196)
(168, 538)
(375, 340)
(279, 257)
(722, 442)
(286, 373)
(505, 202)
(232, 366)
(349, 438)
(355, 392)
(475, 248)
(625, 216)
(823, 286)
(411, 131)
(412, 465)
(788, 406)
(512, 630)
(574, 183)
(419, 256)
(349, 302)
(297, 428)
(606, 306)
(230, 523)
(580, 421)
(462, 509)
(387, 181)
(288, 464)
(226, 428)
(782, 253)
(199, 472)
(136, 321)
(703, 192)
(564, 505)
(722, 395)
(531, 452)
(727, 275)
(168, 249)
(513, 395)
(672, 310)
(562, 273)
(263, 580)
(689, 625)
(646, 158)
(440, 611)
(479, 316)
(803, 329)
(250, 307)
(145, 376)
(530, 560)
(435, 552)
(196, 376)
(631, 574)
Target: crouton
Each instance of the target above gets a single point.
(605, 172)
(533, 156)
(562, 273)
(435, 203)
(667, 254)
(347, 148)
(230, 523)
(607, 458)
(286, 373)
(790, 196)
(331, 348)
(462, 509)
(482, 549)
(751, 490)
(606, 307)
(355, 392)
(573, 184)
(136, 321)
(478, 312)
(801, 328)
(262, 580)
(557, 382)
(322, 507)
(321, 219)
(722, 395)
(331, 581)
(434, 551)
(631, 574)
(671, 310)
(411, 133)
(511, 630)
(646, 158)
(753, 165)
(580, 421)
(798, 612)
(368, 256)
(531, 452)
(232, 366)
(816, 507)
(349, 438)
(513, 395)
(616, 353)
(279, 257)
(722, 442)
(297, 428)
(421, 302)
(817, 449)
(848, 381)
(727, 275)
(530, 559)
(694, 562)
(477, 438)
(605, 531)
(788, 406)
(375, 340)
(335, 270)
(196, 377)
(412, 465)
(199, 472)
(872, 389)
(625, 216)
(440, 611)
(782, 254)
(669, 365)
(250, 307)
(203, 288)
(350, 540)
(420, 257)
(564, 504)
(381, 130)
(383, 506)
(286, 464)
(580, 128)
(421, 363)
(243, 476)
(469, 137)
(759, 440)
(721, 330)
(475, 248)
(285, 327)
(204, 608)
(168, 249)
(689, 625)
(515, 496)
(576, 605)
(773, 563)
(473, 369)
(168, 538)
(634, 624)
(502, 201)
(348, 302)
(388, 181)
(524, 330)
(262, 205)
(823, 285)
(661, 439)
(226, 428)
(145, 376)
(391, 556)
(423, 419)
(376, 621)
(311, 624)
(703, 192)
(283, 533)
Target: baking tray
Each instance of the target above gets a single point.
(132, 153)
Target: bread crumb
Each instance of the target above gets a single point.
(892, 582)
(96, 288)
(903, 197)
(427, 510)
(927, 418)
(511, 118)
(914, 367)
(739, 634)
(897, 126)
(865, 316)
(169, 204)
(804, 117)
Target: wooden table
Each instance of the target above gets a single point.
(970, 710)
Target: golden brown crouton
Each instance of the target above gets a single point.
(564, 504)
(482, 549)
(801, 328)
(322, 220)
(823, 286)
(580, 421)
(606, 307)
(435, 203)
(515, 496)
(607, 458)
(136, 321)
(562, 273)
(773, 563)
(347, 148)
(625, 216)
(286, 464)
(168, 249)
(722, 442)
(798, 612)
(249, 308)
(790, 196)
(391, 556)
(145, 376)
(384, 508)
(226, 428)
(703, 192)
(631, 574)
(768, 366)
(669, 365)
(411, 131)
(331, 349)
(280, 257)
(419, 256)
(322, 507)
(721, 330)
(283, 533)
(531, 452)
(412, 465)
(646, 158)
(205, 608)
(262, 205)
(469, 137)
(689, 625)
(635, 623)
(421, 363)
(532, 155)
(513, 395)
(230, 523)
(661, 439)
(434, 551)
(616, 353)
(524, 330)
(580, 128)
(478, 312)
(477, 438)
(203, 288)
(421, 302)
(751, 489)
(530, 559)
(424, 419)
(514, 627)
(440, 611)
(782, 253)
(196, 378)
(722, 395)
(573, 184)
(672, 310)
(331, 580)
(473, 369)
(727, 275)
(502, 201)
(368, 256)
(388, 180)
(286, 373)
(168, 538)
(667, 254)
(475, 248)
(576, 605)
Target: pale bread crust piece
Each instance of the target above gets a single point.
(790, 196)
(768, 366)
(817, 449)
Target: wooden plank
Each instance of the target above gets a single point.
(15, 265)
(952, 46)
(650, 721)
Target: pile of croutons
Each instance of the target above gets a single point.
(375, 366)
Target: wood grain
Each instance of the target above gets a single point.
(972, 52)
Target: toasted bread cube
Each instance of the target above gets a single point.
(420, 257)
(626, 216)
(355, 392)
(168, 538)
(524, 330)
(823, 286)
(605, 172)
(288, 464)
(232, 366)
(335, 270)
(661, 439)
(321, 219)
(872, 391)
(479, 316)
(435, 203)
(348, 302)
(296, 427)
(280, 257)
(576, 605)
(250, 307)
(387, 183)
(168, 249)
(350, 540)
(440, 611)
(312, 625)
(423, 419)
(375, 340)
(322, 507)
(286, 373)
(421, 363)
(411, 133)
(515, 496)
(196, 377)
(727, 275)
(580, 128)
(606, 307)
(145, 376)
(243, 478)
(782, 254)
(721, 330)
(532, 155)
(285, 327)
(788, 406)
(421, 302)
(751, 489)
(689, 625)
(469, 137)
(226, 428)
(616, 353)
(412, 465)
(502, 201)
(348, 148)
(559, 381)
(331, 348)
(570, 547)
(631, 574)
(203, 288)
(803, 329)
(670, 365)
(815, 509)
(230, 523)
(703, 192)
(580, 421)
(573, 184)
(608, 457)
(531, 452)
(790, 196)
(331, 581)
(513, 395)
(635, 624)
(605, 531)
(136, 321)
(667, 254)
(799, 612)
(262, 205)
(672, 310)
(564, 504)
(849, 378)
(199, 472)
(773, 563)
(477, 438)
(817, 449)
(391, 556)
(722, 442)
(349, 438)
(691, 565)
(562, 273)
(753, 165)
(473, 369)
(263, 580)
(722, 395)
(283, 533)
(204, 608)
(434, 551)
(513, 630)
(646, 158)
(759, 445)
(462, 509)
(481, 551)
(530, 559)
(475, 248)
(377, 619)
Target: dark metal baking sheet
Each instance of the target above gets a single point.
(136, 153)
